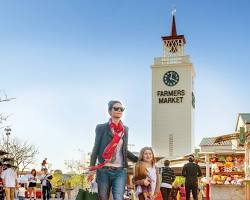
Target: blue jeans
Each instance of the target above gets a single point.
(108, 179)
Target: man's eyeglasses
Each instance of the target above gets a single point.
(119, 108)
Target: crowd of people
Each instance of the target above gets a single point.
(10, 187)
(111, 154)
(109, 161)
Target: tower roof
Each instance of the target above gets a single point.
(173, 34)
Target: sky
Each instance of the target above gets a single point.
(64, 60)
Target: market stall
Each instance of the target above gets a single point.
(227, 175)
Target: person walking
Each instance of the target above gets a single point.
(32, 183)
(9, 177)
(1, 183)
(111, 151)
(46, 185)
(168, 178)
(182, 192)
(68, 189)
(191, 171)
(21, 192)
(43, 164)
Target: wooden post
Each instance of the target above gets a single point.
(207, 176)
(247, 189)
(247, 169)
(207, 191)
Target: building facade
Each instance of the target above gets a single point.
(173, 99)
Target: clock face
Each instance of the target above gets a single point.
(171, 78)
(193, 100)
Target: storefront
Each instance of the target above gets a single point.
(227, 175)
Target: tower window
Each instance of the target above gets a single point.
(171, 144)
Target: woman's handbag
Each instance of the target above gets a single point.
(158, 196)
(86, 195)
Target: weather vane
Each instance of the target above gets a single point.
(173, 10)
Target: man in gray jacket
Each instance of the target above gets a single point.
(111, 151)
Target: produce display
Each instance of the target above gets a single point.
(227, 169)
(179, 180)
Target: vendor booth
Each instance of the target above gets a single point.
(227, 175)
(225, 170)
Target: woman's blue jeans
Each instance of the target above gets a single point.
(111, 179)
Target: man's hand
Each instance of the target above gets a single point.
(91, 175)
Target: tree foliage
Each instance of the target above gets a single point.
(79, 180)
(69, 181)
(22, 153)
(74, 166)
(57, 179)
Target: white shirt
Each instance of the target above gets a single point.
(10, 177)
(118, 162)
(153, 177)
(44, 179)
(21, 192)
(31, 178)
(166, 185)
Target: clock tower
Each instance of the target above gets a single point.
(173, 100)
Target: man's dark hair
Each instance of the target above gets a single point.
(166, 163)
(191, 158)
(112, 103)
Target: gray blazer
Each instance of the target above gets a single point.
(103, 137)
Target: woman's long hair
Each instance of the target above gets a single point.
(33, 170)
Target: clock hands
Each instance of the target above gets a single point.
(174, 80)
(171, 77)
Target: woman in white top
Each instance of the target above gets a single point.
(32, 183)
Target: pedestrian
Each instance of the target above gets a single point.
(43, 164)
(21, 192)
(174, 193)
(62, 189)
(68, 189)
(191, 171)
(1, 183)
(46, 185)
(32, 179)
(168, 178)
(111, 151)
(182, 192)
(94, 186)
(9, 177)
(147, 158)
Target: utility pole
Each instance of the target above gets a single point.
(7, 130)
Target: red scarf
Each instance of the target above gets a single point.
(118, 132)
